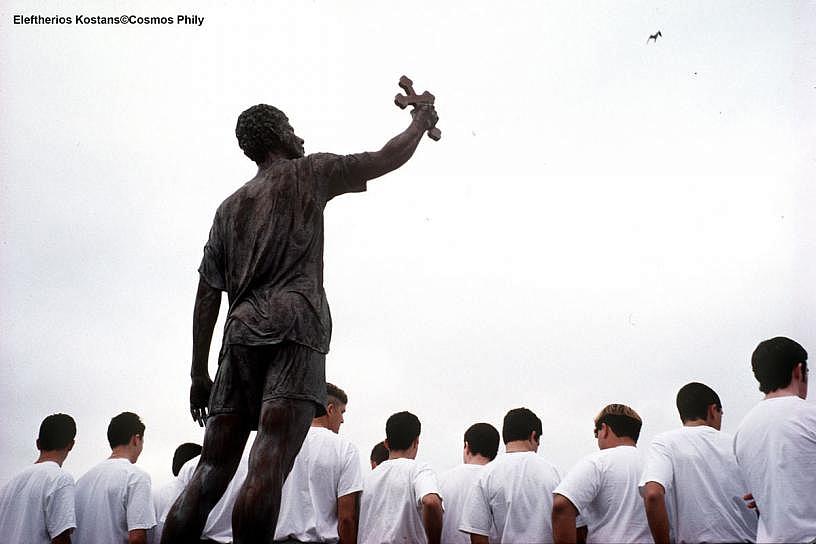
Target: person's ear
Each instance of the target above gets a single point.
(71, 445)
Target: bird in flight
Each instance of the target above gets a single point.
(654, 37)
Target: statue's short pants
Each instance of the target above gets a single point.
(251, 375)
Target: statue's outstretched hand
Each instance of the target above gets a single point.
(200, 398)
(426, 114)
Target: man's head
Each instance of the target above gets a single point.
(616, 422)
(481, 440)
(184, 453)
(778, 362)
(263, 129)
(379, 453)
(402, 432)
(57, 432)
(336, 400)
(127, 430)
(698, 402)
(521, 424)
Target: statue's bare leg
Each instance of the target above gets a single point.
(224, 442)
(282, 427)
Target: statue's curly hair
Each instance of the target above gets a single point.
(259, 130)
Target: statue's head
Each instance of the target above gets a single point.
(264, 128)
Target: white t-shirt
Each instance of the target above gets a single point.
(455, 486)
(514, 493)
(111, 499)
(704, 487)
(391, 504)
(775, 447)
(163, 499)
(603, 487)
(219, 522)
(326, 468)
(37, 504)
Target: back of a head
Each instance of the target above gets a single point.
(401, 430)
(693, 401)
(184, 453)
(57, 432)
(483, 439)
(773, 362)
(259, 130)
(623, 421)
(379, 453)
(334, 394)
(123, 427)
(519, 423)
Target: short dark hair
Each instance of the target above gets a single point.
(379, 453)
(693, 401)
(123, 427)
(773, 362)
(621, 419)
(57, 431)
(332, 391)
(184, 453)
(519, 423)
(401, 430)
(483, 439)
(261, 129)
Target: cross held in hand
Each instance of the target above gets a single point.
(410, 98)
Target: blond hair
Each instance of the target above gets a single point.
(623, 420)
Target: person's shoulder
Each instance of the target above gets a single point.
(62, 477)
(420, 466)
(137, 473)
(540, 461)
(804, 407)
(349, 447)
(671, 436)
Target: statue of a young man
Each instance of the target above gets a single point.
(266, 251)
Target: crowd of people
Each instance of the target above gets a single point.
(694, 483)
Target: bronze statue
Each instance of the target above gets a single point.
(265, 249)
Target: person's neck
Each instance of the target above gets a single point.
(401, 454)
(790, 391)
(697, 423)
(516, 446)
(477, 459)
(618, 441)
(322, 421)
(56, 456)
(124, 452)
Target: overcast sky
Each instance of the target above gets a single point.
(603, 220)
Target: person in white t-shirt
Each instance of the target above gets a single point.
(218, 525)
(166, 495)
(113, 500)
(481, 446)
(603, 487)
(775, 444)
(692, 473)
(319, 498)
(401, 500)
(37, 505)
(514, 492)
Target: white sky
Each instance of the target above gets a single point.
(603, 220)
